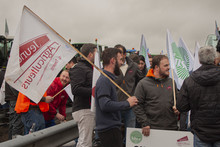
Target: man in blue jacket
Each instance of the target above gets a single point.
(108, 117)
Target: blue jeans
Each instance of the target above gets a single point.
(31, 117)
(199, 143)
(49, 123)
(129, 119)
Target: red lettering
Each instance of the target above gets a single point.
(31, 47)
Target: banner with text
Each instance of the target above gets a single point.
(158, 138)
(37, 55)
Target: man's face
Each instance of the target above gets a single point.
(164, 68)
(150, 60)
(69, 65)
(123, 55)
(118, 64)
(93, 55)
(64, 78)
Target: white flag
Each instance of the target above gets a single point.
(177, 63)
(6, 28)
(95, 77)
(217, 31)
(2, 93)
(144, 51)
(196, 57)
(69, 92)
(186, 55)
(37, 55)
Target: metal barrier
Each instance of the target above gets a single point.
(50, 137)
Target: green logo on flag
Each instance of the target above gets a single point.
(185, 57)
(181, 62)
(136, 137)
(143, 51)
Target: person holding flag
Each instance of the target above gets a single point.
(59, 101)
(155, 95)
(108, 116)
(81, 85)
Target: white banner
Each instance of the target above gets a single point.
(37, 55)
(95, 77)
(158, 138)
(68, 90)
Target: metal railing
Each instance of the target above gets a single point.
(50, 137)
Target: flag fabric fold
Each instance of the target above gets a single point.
(37, 55)
(144, 51)
(95, 77)
(69, 92)
(186, 55)
(6, 28)
(177, 63)
(217, 31)
(196, 57)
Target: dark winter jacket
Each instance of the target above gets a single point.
(107, 106)
(59, 101)
(81, 84)
(11, 94)
(155, 104)
(128, 82)
(200, 93)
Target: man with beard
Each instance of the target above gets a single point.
(155, 95)
(59, 101)
(108, 117)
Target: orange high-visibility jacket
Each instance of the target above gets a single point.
(23, 103)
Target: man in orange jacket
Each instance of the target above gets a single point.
(31, 113)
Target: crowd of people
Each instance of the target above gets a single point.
(147, 99)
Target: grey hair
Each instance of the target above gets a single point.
(207, 55)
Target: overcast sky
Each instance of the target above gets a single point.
(121, 21)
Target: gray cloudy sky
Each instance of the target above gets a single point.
(121, 21)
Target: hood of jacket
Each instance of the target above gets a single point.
(207, 75)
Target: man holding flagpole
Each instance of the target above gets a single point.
(108, 116)
(59, 101)
(155, 95)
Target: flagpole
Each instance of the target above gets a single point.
(174, 89)
(81, 55)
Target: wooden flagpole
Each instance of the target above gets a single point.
(80, 54)
(174, 89)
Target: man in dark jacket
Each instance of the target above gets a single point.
(155, 95)
(108, 118)
(81, 84)
(200, 93)
(128, 78)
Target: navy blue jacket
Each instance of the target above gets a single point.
(107, 105)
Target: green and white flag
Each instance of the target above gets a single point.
(177, 62)
(186, 54)
(144, 52)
